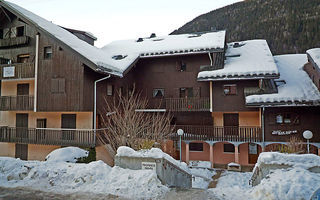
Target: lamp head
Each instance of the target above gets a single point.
(180, 132)
(307, 134)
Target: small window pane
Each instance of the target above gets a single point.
(20, 31)
(230, 89)
(196, 146)
(47, 53)
(229, 148)
(158, 93)
(279, 119)
(109, 90)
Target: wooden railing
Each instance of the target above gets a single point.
(15, 41)
(20, 71)
(187, 104)
(47, 136)
(218, 133)
(21, 102)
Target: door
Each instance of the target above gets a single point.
(22, 96)
(68, 121)
(21, 134)
(22, 151)
(231, 123)
(253, 153)
(22, 125)
(41, 133)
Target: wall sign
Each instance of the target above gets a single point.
(253, 148)
(8, 71)
(149, 165)
(279, 132)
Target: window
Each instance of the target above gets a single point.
(20, 31)
(58, 85)
(23, 58)
(4, 61)
(158, 93)
(287, 118)
(48, 52)
(109, 90)
(181, 66)
(196, 146)
(1, 33)
(279, 119)
(230, 89)
(228, 148)
(186, 92)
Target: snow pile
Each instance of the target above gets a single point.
(250, 58)
(198, 163)
(150, 153)
(233, 185)
(298, 87)
(67, 154)
(315, 55)
(201, 177)
(305, 161)
(95, 177)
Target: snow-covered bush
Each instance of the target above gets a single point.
(67, 154)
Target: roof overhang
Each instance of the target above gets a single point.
(236, 78)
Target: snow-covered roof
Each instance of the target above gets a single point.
(315, 55)
(92, 53)
(298, 88)
(124, 52)
(245, 60)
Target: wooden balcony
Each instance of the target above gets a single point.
(15, 41)
(218, 133)
(180, 104)
(17, 71)
(21, 102)
(47, 136)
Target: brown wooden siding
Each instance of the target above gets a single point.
(314, 73)
(231, 103)
(303, 118)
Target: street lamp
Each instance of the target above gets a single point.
(180, 133)
(307, 135)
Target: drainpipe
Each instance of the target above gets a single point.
(95, 105)
(262, 124)
(36, 64)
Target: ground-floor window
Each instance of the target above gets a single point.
(228, 148)
(196, 146)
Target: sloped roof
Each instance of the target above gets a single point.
(125, 52)
(92, 53)
(298, 88)
(315, 55)
(117, 57)
(245, 60)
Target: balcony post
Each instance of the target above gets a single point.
(236, 153)
(187, 152)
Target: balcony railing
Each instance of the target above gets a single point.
(15, 41)
(47, 136)
(17, 71)
(218, 133)
(21, 102)
(181, 104)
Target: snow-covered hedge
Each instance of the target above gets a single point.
(67, 154)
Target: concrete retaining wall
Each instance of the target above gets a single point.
(168, 173)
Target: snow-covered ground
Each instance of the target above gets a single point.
(296, 182)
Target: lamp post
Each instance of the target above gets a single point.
(180, 133)
(307, 135)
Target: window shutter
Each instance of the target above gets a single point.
(62, 85)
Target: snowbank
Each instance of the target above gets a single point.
(152, 153)
(305, 161)
(67, 154)
(201, 177)
(95, 177)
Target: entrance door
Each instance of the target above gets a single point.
(253, 153)
(22, 134)
(22, 151)
(41, 133)
(22, 96)
(22, 125)
(231, 123)
(68, 121)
